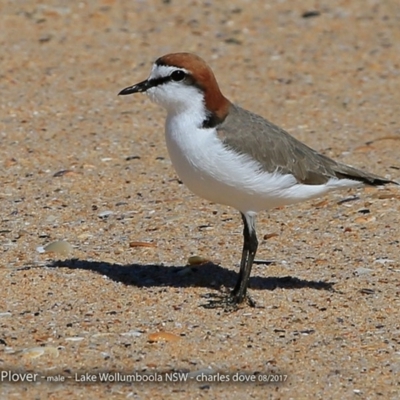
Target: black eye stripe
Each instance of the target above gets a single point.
(165, 79)
(159, 81)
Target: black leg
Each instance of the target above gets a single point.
(250, 244)
(245, 254)
(239, 293)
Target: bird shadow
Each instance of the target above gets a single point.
(206, 275)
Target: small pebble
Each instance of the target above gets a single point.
(270, 235)
(59, 247)
(65, 172)
(74, 338)
(103, 334)
(5, 314)
(36, 352)
(367, 291)
(142, 244)
(348, 199)
(163, 336)
(197, 260)
(310, 14)
(366, 219)
(105, 214)
(132, 333)
(383, 261)
(362, 271)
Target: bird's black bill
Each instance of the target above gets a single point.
(138, 88)
(145, 85)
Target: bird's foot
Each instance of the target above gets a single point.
(228, 301)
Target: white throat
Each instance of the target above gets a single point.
(178, 98)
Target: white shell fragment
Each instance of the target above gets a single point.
(105, 214)
(40, 249)
(36, 352)
(74, 338)
(59, 247)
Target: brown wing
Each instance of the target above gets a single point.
(275, 149)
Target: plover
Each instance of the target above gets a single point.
(231, 156)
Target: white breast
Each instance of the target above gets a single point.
(220, 175)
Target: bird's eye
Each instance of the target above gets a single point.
(178, 75)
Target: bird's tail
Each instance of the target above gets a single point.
(347, 172)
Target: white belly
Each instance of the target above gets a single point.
(220, 175)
